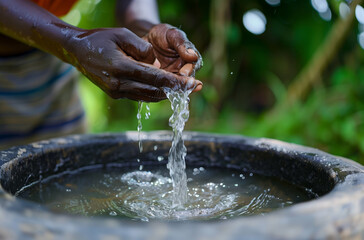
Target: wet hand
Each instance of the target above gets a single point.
(174, 52)
(120, 63)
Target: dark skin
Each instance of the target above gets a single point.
(117, 60)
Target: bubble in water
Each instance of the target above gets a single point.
(145, 178)
(196, 171)
(160, 158)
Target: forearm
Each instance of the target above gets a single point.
(28, 23)
(137, 15)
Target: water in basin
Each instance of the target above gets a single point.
(213, 193)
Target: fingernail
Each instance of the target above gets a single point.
(198, 87)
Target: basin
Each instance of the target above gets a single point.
(337, 212)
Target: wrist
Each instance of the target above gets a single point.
(71, 44)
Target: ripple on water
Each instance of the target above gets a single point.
(147, 195)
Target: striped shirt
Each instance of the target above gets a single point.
(38, 99)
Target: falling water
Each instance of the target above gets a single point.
(176, 158)
(147, 113)
(139, 117)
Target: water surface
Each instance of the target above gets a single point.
(213, 193)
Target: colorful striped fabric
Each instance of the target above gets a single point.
(38, 99)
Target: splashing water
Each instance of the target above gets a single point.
(176, 158)
(139, 128)
(213, 193)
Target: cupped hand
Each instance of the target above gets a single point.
(120, 63)
(174, 52)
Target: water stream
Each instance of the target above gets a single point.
(177, 153)
(140, 126)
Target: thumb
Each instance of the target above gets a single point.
(177, 40)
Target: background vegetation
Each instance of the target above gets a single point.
(301, 81)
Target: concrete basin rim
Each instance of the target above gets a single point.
(284, 216)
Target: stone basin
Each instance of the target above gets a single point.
(338, 212)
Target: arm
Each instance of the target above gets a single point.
(113, 58)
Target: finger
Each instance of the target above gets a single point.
(135, 46)
(187, 69)
(198, 87)
(177, 40)
(150, 75)
(139, 92)
(156, 63)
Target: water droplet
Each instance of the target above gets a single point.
(106, 73)
(273, 2)
(147, 113)
(155, 147)
(320, 6)
(236, 185)
(160, 158)
(195, 171)
(359, 14)
(361, 40)
(344, 10)
(140, 167)
(231, 73)
(113, 213)
(251, 174)
(139, 127)
(254, 21)
(138, 160)
(68, 190)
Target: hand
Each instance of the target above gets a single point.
(174, 52)
(119, 62)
